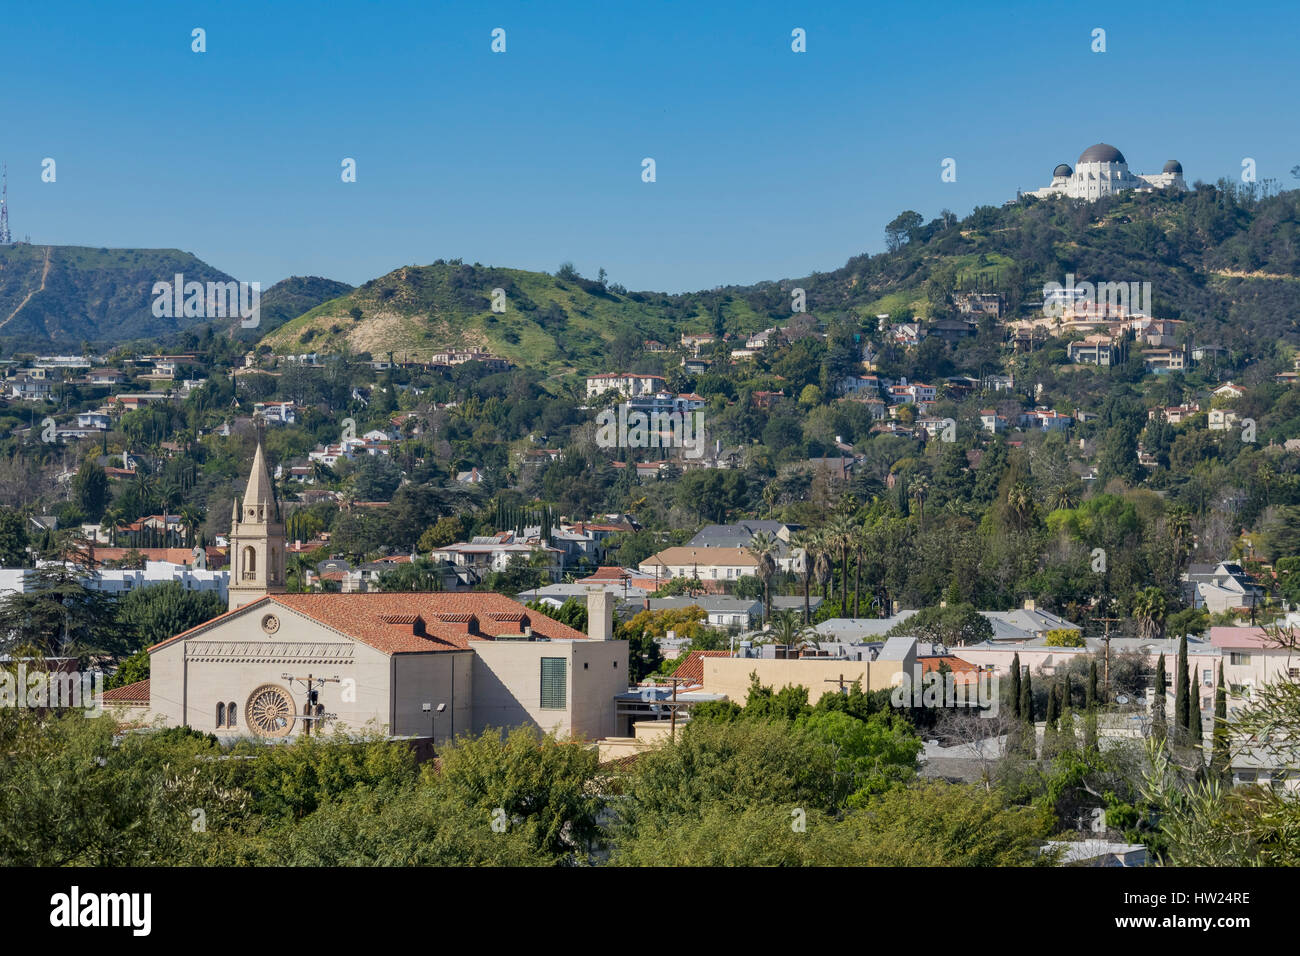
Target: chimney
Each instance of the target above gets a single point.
(1030, 605)
(600, 615)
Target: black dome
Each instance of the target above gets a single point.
(1173, 166)
(1062, 170)
(1102, 153)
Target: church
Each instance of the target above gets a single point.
(1102, 170)
(423, 665)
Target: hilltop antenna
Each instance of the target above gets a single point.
(5, 238)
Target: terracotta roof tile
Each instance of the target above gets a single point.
(137, 693)
(391, 622)
(693, 667)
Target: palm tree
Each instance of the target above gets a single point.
(1062, 496)
(786, 628)
(191, 517)
(1149, 608)
(1020, 505)
(840, 537)
(763, 547)
(861, 542)
(918, 495)
(809, 545)
(824, 564)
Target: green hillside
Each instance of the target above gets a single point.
(64, 295)
(1226, 260)
(556, 324)
(288, 299)
(1220, 257)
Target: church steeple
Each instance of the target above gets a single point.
(259, 501)
(257, 541)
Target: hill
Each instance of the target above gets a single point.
(63, 295)
(288, 299)
(554, 323)
(1223, 258)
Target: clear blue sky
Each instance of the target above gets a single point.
(770, 163)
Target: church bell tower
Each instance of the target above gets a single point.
(257, 540)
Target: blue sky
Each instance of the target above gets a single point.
(769, 163)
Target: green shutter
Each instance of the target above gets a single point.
(553, 683)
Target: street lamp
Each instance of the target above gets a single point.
(433, 713)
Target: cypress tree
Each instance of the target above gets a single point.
(1030, 738)
(1158, 727)
(1182, 711)
(1194, 731)
(1066, 739)
(1015, 685)
(1090, 689)
(1051, 725)
(1219, 759)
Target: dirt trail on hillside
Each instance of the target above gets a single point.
(44, 275)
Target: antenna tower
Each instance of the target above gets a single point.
(5, 238)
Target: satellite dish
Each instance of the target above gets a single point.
(1121, 699)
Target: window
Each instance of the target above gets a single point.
(1293, 673)
(553, 683)
(1207, 677)
(221, 715)
(230, 714)
(1237, 659)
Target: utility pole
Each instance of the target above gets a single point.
(1106, 637)
(311, 710)
(832, 680)
(672, 709)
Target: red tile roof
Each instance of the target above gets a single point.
(137, 693)
(693, 667)
(959, 667)
(608, 573)
(216, 556)
(390, 621)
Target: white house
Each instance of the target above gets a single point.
(627, 384)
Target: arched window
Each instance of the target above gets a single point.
(221, 715)
(231, 711)
(250, 562)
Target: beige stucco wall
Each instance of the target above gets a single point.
(508, 685)
(731, 675)
(1259, 667)
(228, 661)
(497, 684)
(441, 677)
(650, 734)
